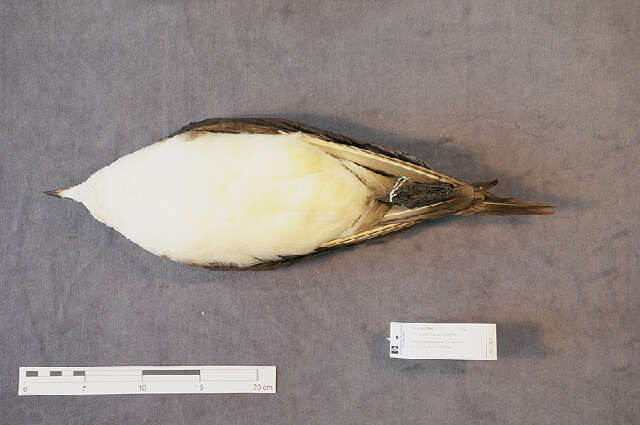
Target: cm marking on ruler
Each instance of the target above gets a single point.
(146, 380)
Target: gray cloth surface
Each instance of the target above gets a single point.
(544, 95)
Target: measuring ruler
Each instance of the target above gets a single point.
(147, 380)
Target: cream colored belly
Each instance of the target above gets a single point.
(221, 198)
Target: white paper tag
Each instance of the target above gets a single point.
(455, 341)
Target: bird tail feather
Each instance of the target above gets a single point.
(486, 203)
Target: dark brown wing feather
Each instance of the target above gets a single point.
(278, 125)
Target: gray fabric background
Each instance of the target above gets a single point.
(544, 95)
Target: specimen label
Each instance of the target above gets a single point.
(455, 341)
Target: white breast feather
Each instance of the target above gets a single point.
(204, 198)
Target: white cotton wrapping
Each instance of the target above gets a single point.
(218, 198)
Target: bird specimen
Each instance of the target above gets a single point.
(251, 193)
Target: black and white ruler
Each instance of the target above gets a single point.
(147, 380)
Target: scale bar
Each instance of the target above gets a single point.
(146, 380)
(171, 372)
